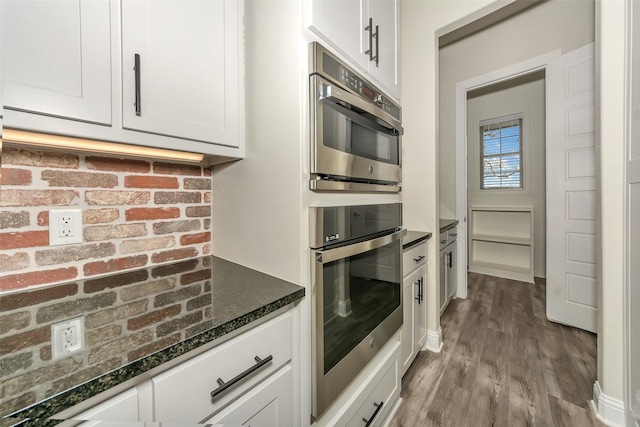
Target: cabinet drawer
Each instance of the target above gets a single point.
(183, 393)
(413, 257)
(269, 404)
(385, 389)
(123, 407)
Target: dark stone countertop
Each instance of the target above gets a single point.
(239, 296)
(414, 237)
(447, 224)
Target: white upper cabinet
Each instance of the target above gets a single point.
(56, 58)
(345, 26)
(384, 18)
(68, 68)
(187, 81)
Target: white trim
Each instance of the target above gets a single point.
(608, 410)
(434, 340)
(506, 73)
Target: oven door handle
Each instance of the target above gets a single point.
(337, 95)
(325, 256)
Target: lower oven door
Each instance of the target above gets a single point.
(357, 307)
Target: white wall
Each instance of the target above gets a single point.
(419, 21)
(257, 201)
(533, 32)
(522, 95)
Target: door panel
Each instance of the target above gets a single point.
(571, 190)
(56, 58)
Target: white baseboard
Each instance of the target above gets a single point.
(434, 341)
(608, 410)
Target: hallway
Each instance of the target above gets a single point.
(502, 364)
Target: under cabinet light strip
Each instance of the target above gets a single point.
(41, 140)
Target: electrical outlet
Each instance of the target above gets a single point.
(67, 337)
(65, 226)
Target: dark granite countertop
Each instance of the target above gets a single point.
(230, 296)
(414, 237)
(447, 224)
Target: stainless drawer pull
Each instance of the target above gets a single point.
(370, 420)
(420, 258)
(225, 385)
(369, 28)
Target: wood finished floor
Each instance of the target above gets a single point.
(502, 364)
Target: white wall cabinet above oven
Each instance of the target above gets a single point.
(70, 69)
(345, 25)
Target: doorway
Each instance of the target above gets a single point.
(529, 39)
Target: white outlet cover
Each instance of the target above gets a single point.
(75, 231)
(67, 337)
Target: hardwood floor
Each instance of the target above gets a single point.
(502, 364)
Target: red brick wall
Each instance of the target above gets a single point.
(135, 213)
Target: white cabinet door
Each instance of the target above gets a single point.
(338, 23)
(188, 79)
(56, 58)
(267, 405)
(420, 311)
(443, 281)
(384, 15)
(341, 24)
(407, 349)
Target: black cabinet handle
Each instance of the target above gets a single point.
(373, 416)
(420, 258)
(422, 288)
(136, 69)
(419, 296)
(225, 385)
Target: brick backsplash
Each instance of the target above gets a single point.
(136, 213)
(126, 316)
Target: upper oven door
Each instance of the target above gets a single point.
(352, 139)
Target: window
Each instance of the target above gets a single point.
(501, 152)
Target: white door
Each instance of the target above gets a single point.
(571, 190)
(56, 58)
(188, 80)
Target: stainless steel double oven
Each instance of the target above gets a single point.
(356, 273)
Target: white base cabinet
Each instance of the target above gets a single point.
(268, 404)
(372, 397)
(123, 407)
(448, 262)
(202, 374)
(414, 327)
(261, 397)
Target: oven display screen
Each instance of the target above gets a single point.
(368, 92)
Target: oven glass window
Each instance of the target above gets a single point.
(353, 133)
(359, 292)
